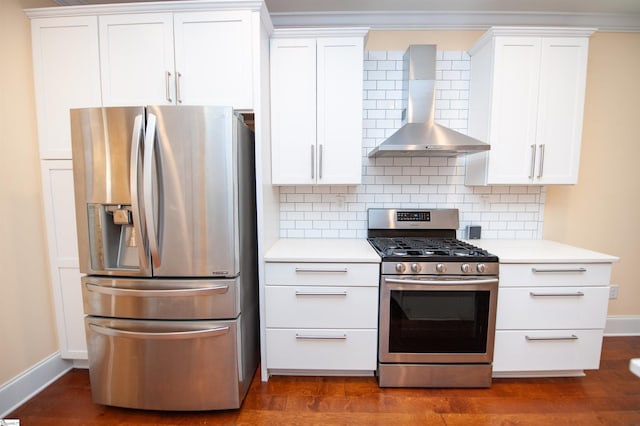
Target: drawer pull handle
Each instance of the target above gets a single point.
(576, 294)
(320, 293)
(321, 337)
(557, 271)
(137, 292)
(572, 337)
(336, 270)
(159, 335)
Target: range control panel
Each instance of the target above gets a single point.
(405, 216)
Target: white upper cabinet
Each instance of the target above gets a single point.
(177, 58)
(66, 74)
(526, 100)
(136, 57)
(316, 107)
(214, 58)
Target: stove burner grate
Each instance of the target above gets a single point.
(425, 247)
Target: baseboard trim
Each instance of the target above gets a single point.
(622, 326)
(23, 387)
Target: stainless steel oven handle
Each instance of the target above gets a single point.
(160, 335)
(113, 291)
(443, 282)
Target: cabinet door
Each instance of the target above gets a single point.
(293, 111)
(514, 110)
(339, 114)
(214, 58)
(57, 185)
(560, 109)
(66, 75)
(136, 58)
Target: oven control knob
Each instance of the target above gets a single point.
(441, 268)
(415, 267)
(465, 267)
(481, 267)
(400, 267)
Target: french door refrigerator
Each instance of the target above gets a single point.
(166, 217)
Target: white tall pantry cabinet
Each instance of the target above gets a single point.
(106, 55)
(66, 75)
(526, 100)
(316, 106)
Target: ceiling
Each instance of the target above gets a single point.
(606, 15)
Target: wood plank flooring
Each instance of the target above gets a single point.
(609, 396)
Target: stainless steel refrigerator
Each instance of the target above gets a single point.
(166, 216)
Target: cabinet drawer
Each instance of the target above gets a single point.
(304, 306)
(320, 274)
(547, 350)
(322, 349)
(552, 307)
(554, 274)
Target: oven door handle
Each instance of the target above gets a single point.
(442, 282)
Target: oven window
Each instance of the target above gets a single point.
(438, 321)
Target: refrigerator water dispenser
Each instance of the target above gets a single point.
(112, 237)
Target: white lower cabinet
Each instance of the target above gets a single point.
(321, 318)
(322, 349)
(550, 319)
(553, 352)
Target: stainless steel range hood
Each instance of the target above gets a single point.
(420, 135)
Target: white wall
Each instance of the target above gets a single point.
(27, 332)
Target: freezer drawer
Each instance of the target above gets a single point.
(166, 365)
(161, 299)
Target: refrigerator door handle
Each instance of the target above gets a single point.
(149, 148)
(160, 335)
(138, 225)
(113, 291)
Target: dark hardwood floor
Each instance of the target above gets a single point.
(609, 396)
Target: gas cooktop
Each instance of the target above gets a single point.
(421, 235)
(429, 249)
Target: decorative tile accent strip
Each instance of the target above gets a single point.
(504, 212)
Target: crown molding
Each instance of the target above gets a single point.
(143, 7)
(456, 20)
(306, 32)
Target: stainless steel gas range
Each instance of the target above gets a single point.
(438, 298)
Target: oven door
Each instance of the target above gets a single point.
(435, 319)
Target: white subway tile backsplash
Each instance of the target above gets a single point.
(411, 182)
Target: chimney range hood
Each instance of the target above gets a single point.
(420, 136)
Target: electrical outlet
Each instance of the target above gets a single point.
(613, 291)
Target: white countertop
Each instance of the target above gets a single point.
(322, 250)
(541, 251)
